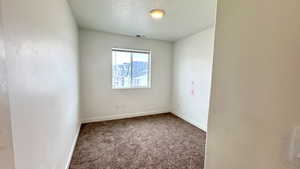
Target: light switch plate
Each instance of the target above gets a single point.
(294, 151)
(2, 144)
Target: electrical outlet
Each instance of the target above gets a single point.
(193, 92)
(2, 143)
(294, 151)
(2, 147)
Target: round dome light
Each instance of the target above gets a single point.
(157, 13)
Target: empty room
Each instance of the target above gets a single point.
(149, 84)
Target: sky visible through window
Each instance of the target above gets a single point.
(130, 69)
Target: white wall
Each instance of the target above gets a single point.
(98, 100)
(255, 91)
(41, 48)
(6, 144)
(193, 58)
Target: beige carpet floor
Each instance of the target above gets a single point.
(152, 142)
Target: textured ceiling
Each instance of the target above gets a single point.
(131, 17)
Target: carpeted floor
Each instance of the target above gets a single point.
(152, 142)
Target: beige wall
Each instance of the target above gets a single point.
(98, 100)
(193, 59)
(41, 49)
(6, 144)
(255, 94)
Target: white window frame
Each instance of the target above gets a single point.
(133, 51)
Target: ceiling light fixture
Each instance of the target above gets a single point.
(157, 13)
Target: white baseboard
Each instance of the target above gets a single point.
(73, 147)
(120, 116)
(190, 120)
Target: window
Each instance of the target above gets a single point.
(130, 68)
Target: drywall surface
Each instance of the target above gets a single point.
(6, 144)
(193, 59)
(255, 91)
(98, 100)
(41, 48)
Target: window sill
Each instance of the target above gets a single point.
(130, 91)
(136, 88)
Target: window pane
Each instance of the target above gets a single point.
(121, 68)
(140, 70)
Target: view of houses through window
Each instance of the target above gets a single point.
(130, 69)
